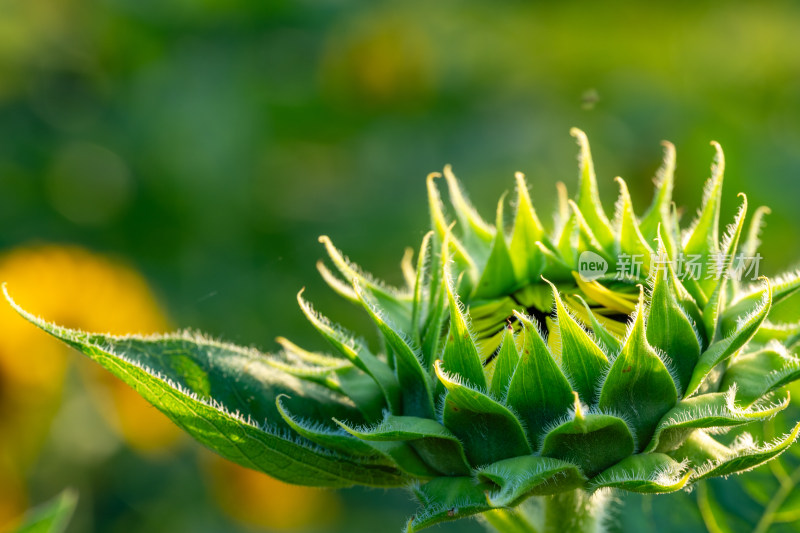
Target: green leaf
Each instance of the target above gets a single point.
(442, 230)
(755, 374)
(521, 477)
(461, 353)
(507, 359)
(593, 442)
(498, 276)
(489, 430)
(356, 352)
(448, 498)
(749, 297)
(651, 473)
(586, 239)
(477, 234)
(712, 311)
(526, 257)
(556, 266)
(407, 267)
(609, 341)
(745, 455)
(418, 307)
(224, 396)
(639, 386)
(332, 438)
(416, 397)
(669, 327)
(538, 391)
(708, 411)
(702, 237)
(630, 239)
(434, 443)
(336, 374)
(722, 269)
(588, 199)
(349, 382)
(722, 349)
(432, 331)
(567, 243)
(52, 516)
(710, 459)
(342, 288)
(582, 360)
(659, 212)
(394, 302)
(296, 354)
(752, 242)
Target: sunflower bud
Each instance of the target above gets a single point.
(515, 362)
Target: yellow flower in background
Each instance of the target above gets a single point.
(80, 289)
(87, 291)
(378, 60)
(257, 500)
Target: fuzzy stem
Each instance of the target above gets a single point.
(509, 521)
(568, 512)
(574, 511)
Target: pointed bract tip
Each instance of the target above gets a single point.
(437, 368)
(719, 156)
(520, 316)
(341, 425)
(552, 286)
(577, 406)
(641, 293)
(11, 300)
(578, 134)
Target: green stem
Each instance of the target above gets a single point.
(567, 512)
(509, 521)
(575, 511)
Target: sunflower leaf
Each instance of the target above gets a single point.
(638, 385)
(434, 443)
(539, 391)
(593, 442)
(520, 477)
(651, 473)
(487, 428)
(224, 396)
(448, 498)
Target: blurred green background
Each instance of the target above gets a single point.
(208, 143)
